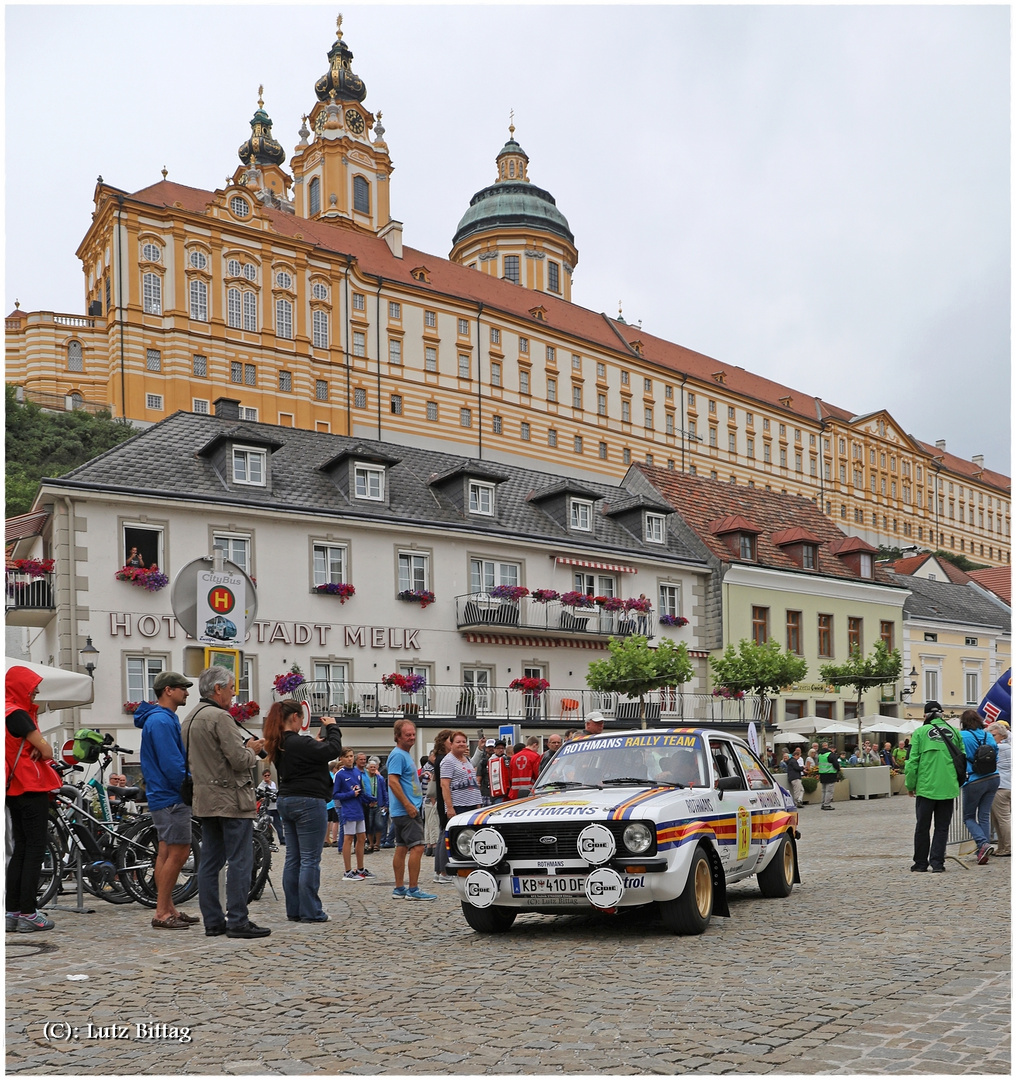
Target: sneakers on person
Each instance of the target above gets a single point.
(399, 892)
(28, 924)
(365, 873)
(442, 879)
(418, 894)
(12, 921)
(983, 853)
(352, 875)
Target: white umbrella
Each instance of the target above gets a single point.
(908, 727)
(59, 689)
(880, 723)
(808, 724)
(790, 737)
(836, 727)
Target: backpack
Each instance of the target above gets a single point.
(959, 758)
(87, 746)
(985, 759)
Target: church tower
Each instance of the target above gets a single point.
(262, 158)
(514, 229)
(340, 173)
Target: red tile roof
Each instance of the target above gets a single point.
(954, 464)
(997, 579)
(796, 535)
(909, 567)
(699, 502)
(848, 544)
(732, 523)
(375, 258)
(910, 564)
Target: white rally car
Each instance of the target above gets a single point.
(664, 817)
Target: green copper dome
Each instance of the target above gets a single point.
(508, 204)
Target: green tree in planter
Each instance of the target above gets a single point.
(881, 668)
(757, 669)
(634, 669)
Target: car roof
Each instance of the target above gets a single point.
(703, 731)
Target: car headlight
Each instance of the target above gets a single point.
(638, 838)
(462, 842)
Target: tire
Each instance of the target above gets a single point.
(491, 920)
(52, 872)
(136, 864)
(261, 868)
(777, 879)
(691, 911)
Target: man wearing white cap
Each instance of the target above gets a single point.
(594, 724)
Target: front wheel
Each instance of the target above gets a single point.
(49, 876)
(777, 879)
(491, 920)
(261, 867)
(136, 858)
(691, 911)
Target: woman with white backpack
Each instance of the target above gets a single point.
(982, 780)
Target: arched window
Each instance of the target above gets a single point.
(75, 357)
(361, 195)
(77, 399)
(315, 196)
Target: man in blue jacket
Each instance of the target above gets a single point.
(164, 766)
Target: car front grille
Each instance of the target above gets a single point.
(526, 840)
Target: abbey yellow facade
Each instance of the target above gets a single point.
(287, 296)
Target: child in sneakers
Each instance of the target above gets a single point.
(347, 791)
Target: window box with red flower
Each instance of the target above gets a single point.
(342, 589)
(423, 597)
(152, 578)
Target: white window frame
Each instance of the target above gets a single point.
(139, 676)
(319, 329)
(656, 528)
(481, 498)
(336, 676)
(369, 482)
(283, 318)
(200, 405)
(198, 300)
(394, 350)
(234, 309)
(253, 471)
(236, 544)
(414, 570)
(154, 402)
(485, 574)
(359, 343)
(580, 514)
(329, 563)
(151, 288)
(670, 598)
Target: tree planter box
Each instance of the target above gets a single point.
(868, 781)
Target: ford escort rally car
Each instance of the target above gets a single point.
(618, 820)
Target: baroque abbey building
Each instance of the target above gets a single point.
(288, 297)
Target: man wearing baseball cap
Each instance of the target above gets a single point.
(164, 766)
(594, 724)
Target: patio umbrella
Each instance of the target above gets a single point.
(59, 689)
(908, 727)
(880, 723)
(836, 727)
(790, 737)
(808, 724)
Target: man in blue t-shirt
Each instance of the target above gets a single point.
(405, 798)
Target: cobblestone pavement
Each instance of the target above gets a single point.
(865, 968)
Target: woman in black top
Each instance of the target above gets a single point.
(305, 786)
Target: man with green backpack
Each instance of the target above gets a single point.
(932, 776)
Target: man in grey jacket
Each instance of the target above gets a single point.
(220, 763)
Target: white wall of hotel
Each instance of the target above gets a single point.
(372, 633)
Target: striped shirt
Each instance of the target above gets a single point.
(465, 787)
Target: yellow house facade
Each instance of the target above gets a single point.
(290, 292)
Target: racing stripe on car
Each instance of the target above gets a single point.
(766, 826)
(481, 815)
(674, 834)
(623, 810)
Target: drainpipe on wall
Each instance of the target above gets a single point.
(119, 305)
(380, 286)
(73, 604)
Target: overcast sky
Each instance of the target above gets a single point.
(817, 194)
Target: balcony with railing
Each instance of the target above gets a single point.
(482, 611)
(29, 597)
(369, 704)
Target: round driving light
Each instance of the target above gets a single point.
(638, 838)
(487, 847)
(481, 888)
(596, 844)
(462, 842)
(604, 888)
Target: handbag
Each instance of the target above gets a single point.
(187, 786)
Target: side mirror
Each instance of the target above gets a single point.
(730, 783)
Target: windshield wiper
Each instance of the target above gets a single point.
(629, 780)
(566, 784)
(669, 783)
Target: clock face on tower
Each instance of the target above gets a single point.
(354, 121)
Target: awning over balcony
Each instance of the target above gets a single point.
(564, 560)
(25, 525)
(532, 642)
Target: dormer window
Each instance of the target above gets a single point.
(369, 482)
(808, 556)
(656, 528)
(249, 466)
(481, 498)
(746, 546)
(866, 565)
(581, 515)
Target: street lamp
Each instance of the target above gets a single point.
(909, 691)
(90, 655)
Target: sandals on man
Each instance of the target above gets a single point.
(173, 922)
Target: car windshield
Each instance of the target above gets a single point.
(676, 759)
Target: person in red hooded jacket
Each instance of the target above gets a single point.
(30, 779)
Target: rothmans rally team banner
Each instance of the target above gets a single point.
(222, 603)
(997, 703)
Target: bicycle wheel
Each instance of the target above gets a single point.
(50, 877)
(262, 866)
(136, 856)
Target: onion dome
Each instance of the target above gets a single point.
(340, 83)
(512, 201)
(261, 148)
